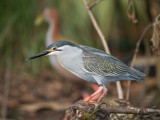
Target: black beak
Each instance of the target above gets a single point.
(38, 55)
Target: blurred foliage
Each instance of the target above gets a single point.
(19, 38)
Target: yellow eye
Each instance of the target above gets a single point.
(54, 48)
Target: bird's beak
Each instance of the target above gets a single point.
(39, 55)
(39, 20)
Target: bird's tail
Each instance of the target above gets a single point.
(136, 74)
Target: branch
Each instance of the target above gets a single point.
(97, 27)
(119, 87)
(156, 36)
(131, 11)
(100, 110)
(135, 55)
(91, 5)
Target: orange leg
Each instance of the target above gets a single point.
(103, 94)
(98, 95)
(95, 87)
(85, 94)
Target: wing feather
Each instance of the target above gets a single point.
(103, 65)
(100, 63)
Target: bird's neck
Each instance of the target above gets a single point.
(53, 33)
(70, 54)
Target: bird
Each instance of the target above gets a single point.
(92, 65)
(52, 17)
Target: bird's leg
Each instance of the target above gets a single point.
(95, 96)
(103, 94)
(95, 87)
(85, 94)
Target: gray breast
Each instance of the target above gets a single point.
(73, 62)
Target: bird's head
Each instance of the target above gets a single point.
(50, 15)
(57, 48)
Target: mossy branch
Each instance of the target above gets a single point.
(102, 111)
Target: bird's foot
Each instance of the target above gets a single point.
(98, 95)
(103, 94)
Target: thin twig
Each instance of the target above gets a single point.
(119, 87)
(97, 27)
(139, 111)
(131, 15)
(146, 69)
(156, 36)
(91, 5)
(135, 55)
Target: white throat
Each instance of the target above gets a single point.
(70, 58)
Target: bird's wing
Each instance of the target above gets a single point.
(103, 64)
(98, 62)
(92, 50)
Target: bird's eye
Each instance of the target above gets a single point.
(54, 48)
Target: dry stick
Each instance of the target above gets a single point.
(97, 27)
(125, 110)
(119, 87)
(134, 57)
(146, 69)
(93, 4)
(129, 110)
(131, 15)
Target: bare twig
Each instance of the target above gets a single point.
(156, 36)
(131, 11)
(119, 87)
(91, 5)
(146, 69)
(6, 92)
(135, 55)
(97, 27)
(156, 45)
(132, 110)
